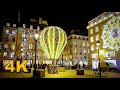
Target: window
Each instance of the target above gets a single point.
(14, 25)
(8, 24)
(13, 32)
(74, 37)
(81, 58)
(83, 44)
(75, 51)
(23, 35)
(96, 29)
(7, 31)
(76, 57)
(75, 43)
(38, 27)
(5, 46)
(95, 55)
(12, 47)
(80, 44)
(12, 54)
(80, 51)
(13, 39)
(84, 52)
(85, 57)
(30, 46)
(91, 31)
(24, 25)
(28, 55)
(97, 37)
(21, 49)
(4, 54)
(22, 54)
(87, 44)
(83, 38)
(91, 39)
(31, 35)
(31, 26)
(88, 50)
(92, 47)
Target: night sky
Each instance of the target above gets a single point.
(68, 16)
(66, 20)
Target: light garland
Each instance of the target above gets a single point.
(26, 33)
(111, 34)
(99, 19)
(53, 40)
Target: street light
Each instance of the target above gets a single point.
(98, 44)
(34, 71)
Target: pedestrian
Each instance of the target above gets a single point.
(83, 65)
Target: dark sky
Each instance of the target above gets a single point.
(66, 20)
(67, 15)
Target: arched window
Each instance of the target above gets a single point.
(74, 37)
(83, 38)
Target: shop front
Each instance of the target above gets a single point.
(95, 64)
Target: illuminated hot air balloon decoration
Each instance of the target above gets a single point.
(53, 40)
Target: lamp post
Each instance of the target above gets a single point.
(62, 59)
(98, 44)
(36, 37)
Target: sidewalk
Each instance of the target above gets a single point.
(66, 74)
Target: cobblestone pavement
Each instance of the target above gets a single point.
(66, 74)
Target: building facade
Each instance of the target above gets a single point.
(105, 28)
(76, 49)
(18, 42)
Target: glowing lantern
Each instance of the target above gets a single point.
(53, 40)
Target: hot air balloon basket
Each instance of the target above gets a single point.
(53, 70)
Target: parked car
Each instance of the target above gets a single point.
(112, 67)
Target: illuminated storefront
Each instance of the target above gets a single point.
(106, 29)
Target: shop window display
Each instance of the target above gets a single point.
(95, 64)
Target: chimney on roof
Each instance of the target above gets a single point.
(18, 16)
